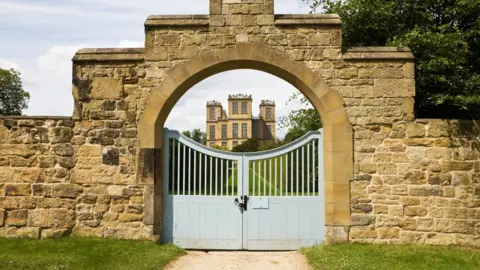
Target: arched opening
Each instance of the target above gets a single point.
(337, 133)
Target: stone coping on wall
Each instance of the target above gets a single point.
(309, 19)
(378, 53)
(110, 54)
(280, 19)
(36, 117)
(178, 20)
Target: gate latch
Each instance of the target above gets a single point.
(242, 203)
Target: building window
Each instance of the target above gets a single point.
(235, 143)
(269, 113)
(212, 114)
(224, 131)
(244, 107)
(235, 107)
(235, 130)
(269, 132)
(212, 132)
(244, 130)
(224, 144)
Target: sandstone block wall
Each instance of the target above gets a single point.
(413, 180)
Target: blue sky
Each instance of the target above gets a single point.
(39, 37)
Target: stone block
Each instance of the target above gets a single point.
(336, 235)
(415, 178)
(17, 190)
(450, 165)
(407, 237)
(416, 130)
(110, 217)
(17, 218)
(54, 233)
(111, 156)
(388, 233)
(362, 233)
(28, 232)
(129, 217)
(362, 220)
(51, 218)
(394, 87)
(106, 88)
(415, 211)
(60, 134)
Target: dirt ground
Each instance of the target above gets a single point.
(213, 260)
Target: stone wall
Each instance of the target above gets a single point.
(412, 180)
(417, 182)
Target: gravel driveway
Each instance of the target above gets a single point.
(213, 260)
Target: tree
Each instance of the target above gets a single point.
(196, 135)
(250, 145)
(300, 121)
(13, 98)
(221, 148)
(442, 34)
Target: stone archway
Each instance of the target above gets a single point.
(338, 134)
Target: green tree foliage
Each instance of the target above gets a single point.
(221, 148)
(444, 36)
(13, 98)
(196, 135)
(300, 121)
(250, 145)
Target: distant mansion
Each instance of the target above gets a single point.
(239, 125)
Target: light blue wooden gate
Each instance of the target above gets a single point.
(270, 200)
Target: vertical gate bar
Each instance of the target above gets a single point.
(205, 174)
(259, 175)
(308, 169)
(173, 167)
(194, 172)
(232, 175)
(281, 175)
(200, 173)
(313, 166)
(189, 169)
(183, 165)
(297, 178)
(270, 177)
(216, 176)
(178, 168)
(303, 170)
(291, 172)
(253, 177)
(221, 177)
(320, 165)
(275, 173)
(264, 178)
(211, 164)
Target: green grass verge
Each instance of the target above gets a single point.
(364, 256)
(85, 253)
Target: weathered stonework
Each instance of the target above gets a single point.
(389, 178)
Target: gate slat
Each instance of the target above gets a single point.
(205, 174)
(253, 178)
(291, 173)
(264, 177)
(173, 168)
(221, 177)
(211, 165)
(281, 176)
(183, 165)
(189, 169)
(194, 172)
(303, 170)
(270, 176)
(275, 173)
(297, 178)
(178, 168)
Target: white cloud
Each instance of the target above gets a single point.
(7, 64)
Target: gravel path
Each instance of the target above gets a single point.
(200, 260)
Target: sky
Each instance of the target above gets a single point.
(40, 37)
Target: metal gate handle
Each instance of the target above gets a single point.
(245, 202)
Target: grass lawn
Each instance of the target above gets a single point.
(364, 256)
(84, 253)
